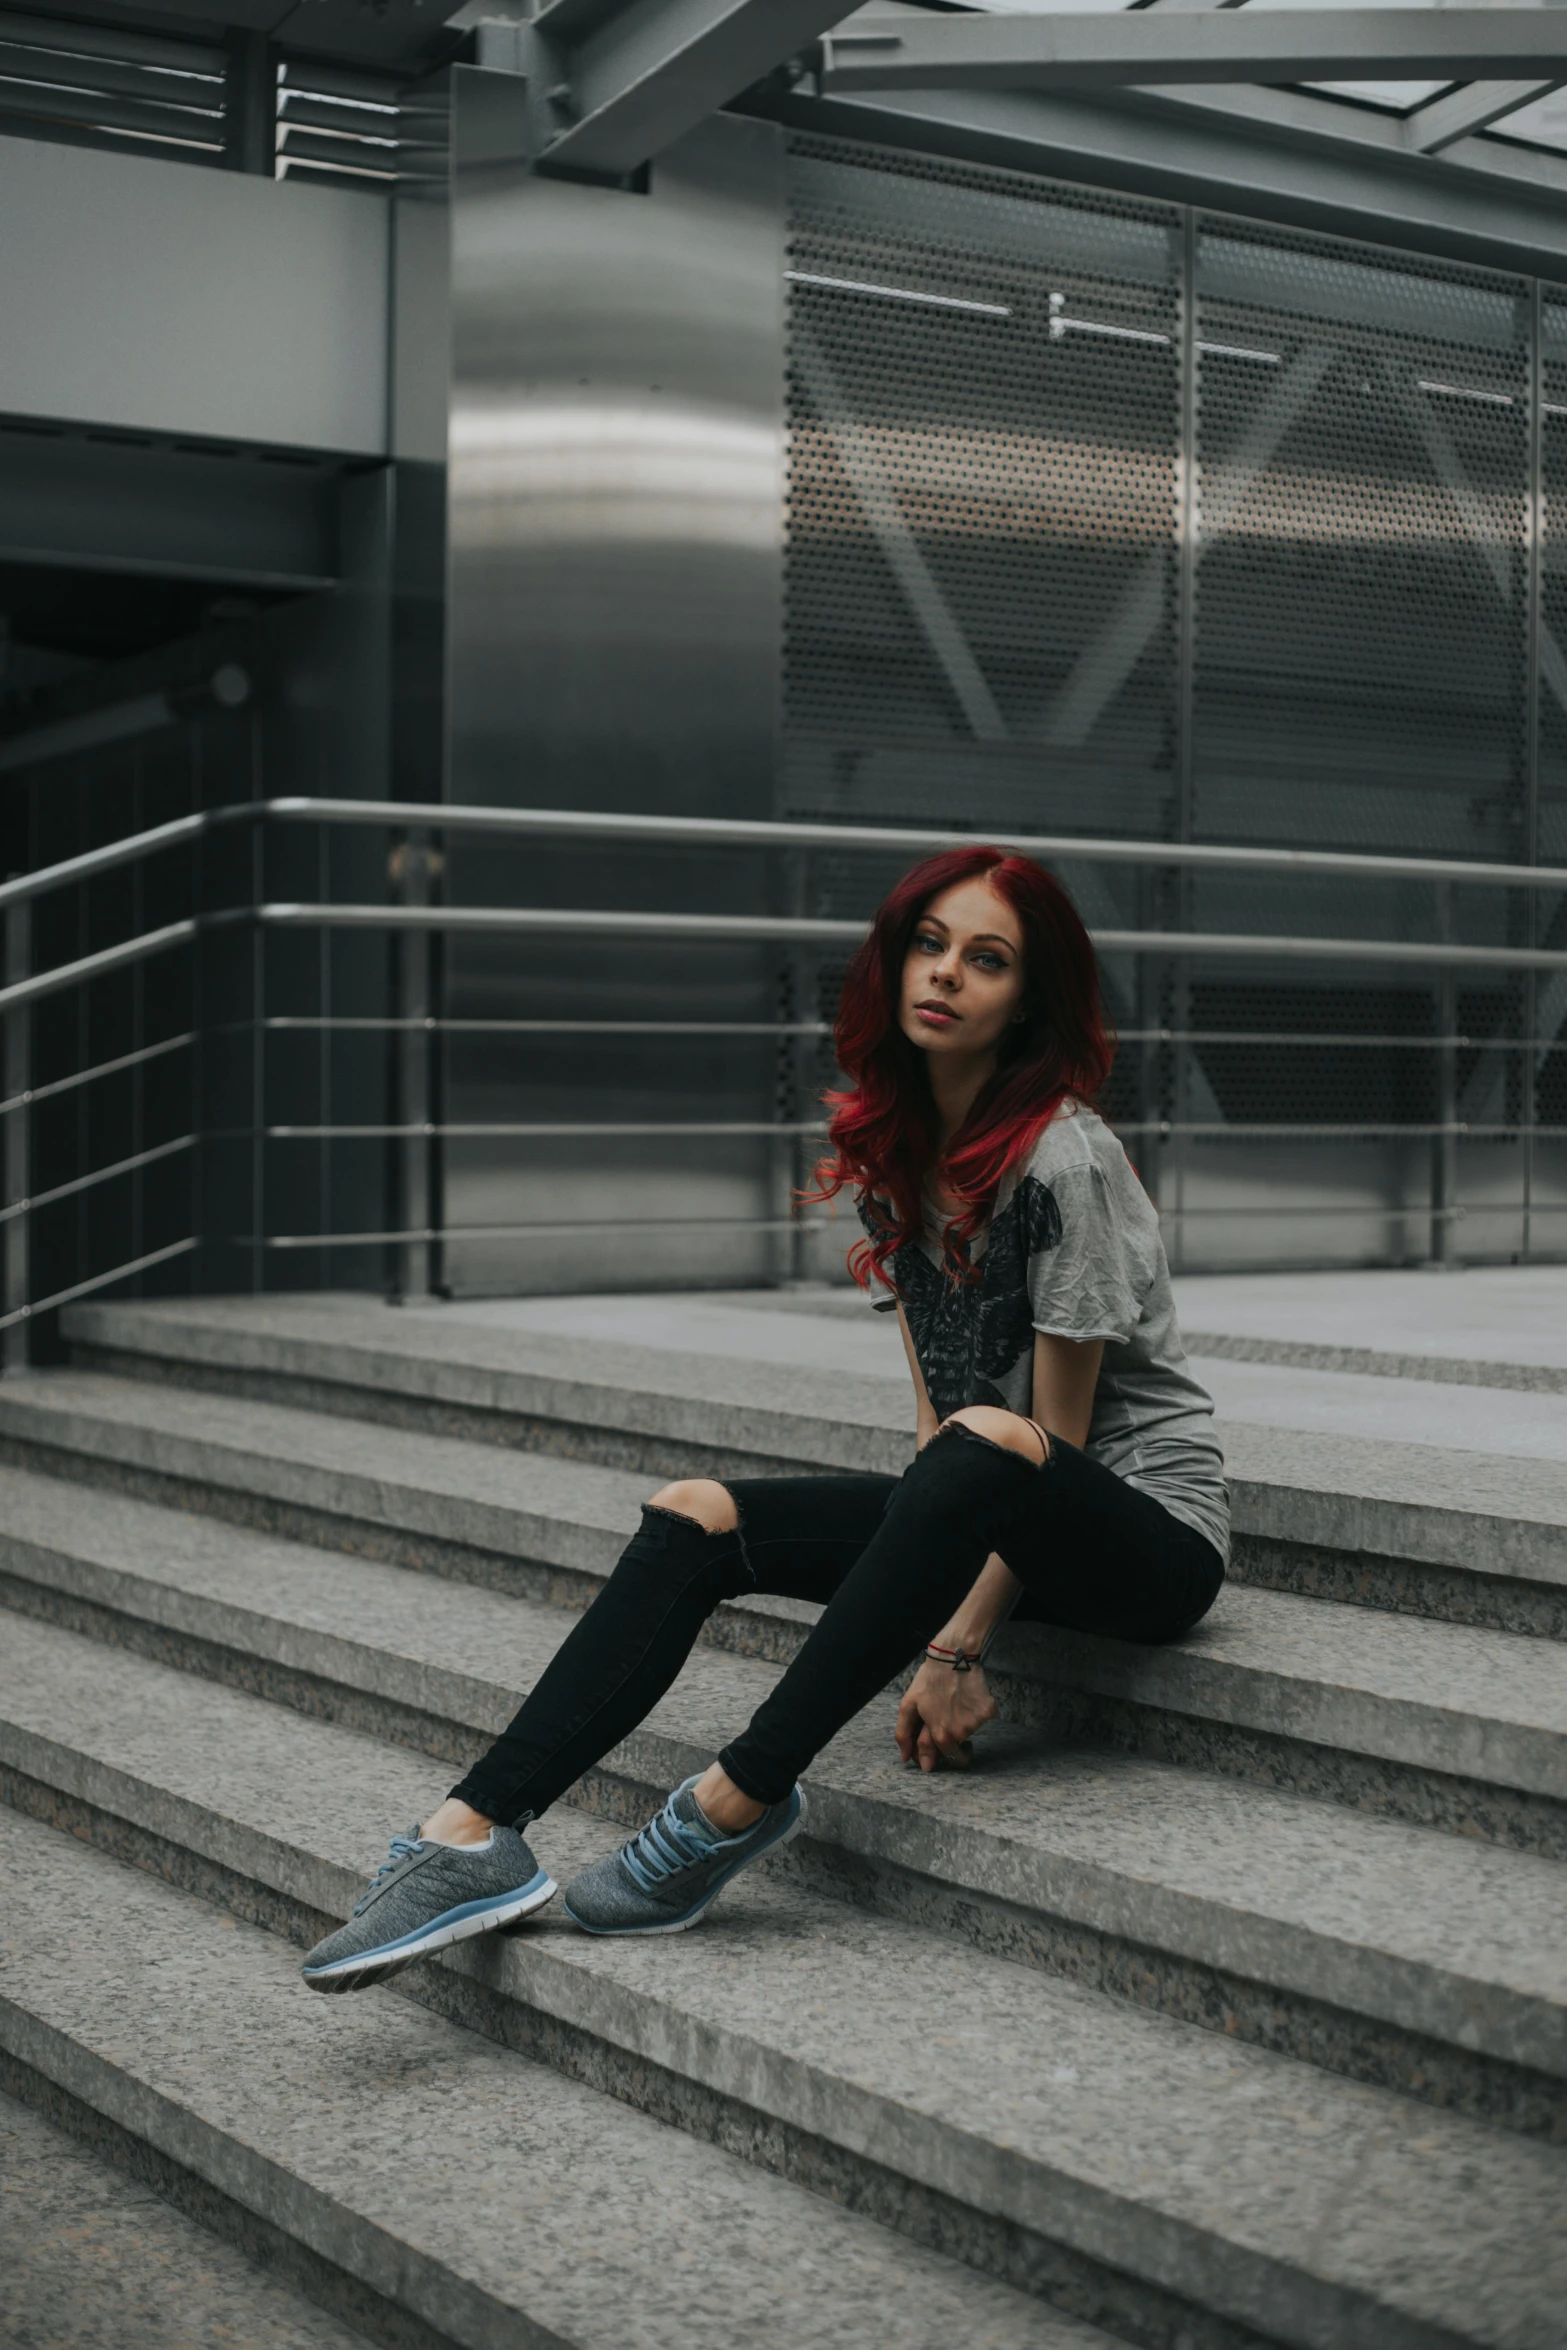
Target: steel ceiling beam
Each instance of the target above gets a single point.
(1484, 202)
(1443, 121)
(1443, 126)
(1326, 126)
(1161, 47)
(613, 82)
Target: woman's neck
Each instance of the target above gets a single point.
(955, 1086)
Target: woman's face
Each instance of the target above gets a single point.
(963, 974)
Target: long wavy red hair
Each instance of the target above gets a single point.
(883, 1131)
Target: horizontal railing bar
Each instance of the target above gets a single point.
(717, 832)
(104, 860)
(557, 1027)
(784, 929)
(1325, 1130)
(1416, 1215)
(588, 1129)
(44, 1199)
(63, 1297)
(451, 1232)
(43, 1093)
(713, 831)
(554, 921)
(131, 950)
(605, 922)
(1424, 1044)
(618, 1130)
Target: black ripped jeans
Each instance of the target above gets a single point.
(890, 1558)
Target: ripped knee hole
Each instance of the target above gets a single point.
(700, 1500)
(1007, 1431)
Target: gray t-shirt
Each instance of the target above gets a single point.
(1073, 1249)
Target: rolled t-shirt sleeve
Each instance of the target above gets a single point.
(1093, 1282)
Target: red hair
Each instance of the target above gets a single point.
(883, 1131)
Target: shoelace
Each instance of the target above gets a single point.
(402, 1846)
(667, 1843)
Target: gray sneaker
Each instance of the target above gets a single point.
(675, 1868)
(424, 1896)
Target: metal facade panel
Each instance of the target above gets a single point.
(226, 306)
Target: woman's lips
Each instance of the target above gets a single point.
(936, 1015)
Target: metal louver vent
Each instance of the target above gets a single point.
(357, 129)
(97, 86)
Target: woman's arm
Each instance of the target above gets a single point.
(925, 1420)
(943, 1709)
(1066, 1373)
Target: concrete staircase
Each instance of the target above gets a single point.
(1224, 2007)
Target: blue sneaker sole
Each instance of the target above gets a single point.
(453, 1925)
(694, 1915)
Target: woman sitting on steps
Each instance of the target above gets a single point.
(1066, 1463)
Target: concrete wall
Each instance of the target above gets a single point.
(164, 298)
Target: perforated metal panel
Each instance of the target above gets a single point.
(1362, 615)
(983, 395)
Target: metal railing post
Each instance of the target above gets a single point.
(18, 1140)
(414, 867)
(793, 991)
(1444, 1149)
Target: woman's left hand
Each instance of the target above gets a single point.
(940, 1714)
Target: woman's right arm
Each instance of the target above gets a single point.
(925, 1420)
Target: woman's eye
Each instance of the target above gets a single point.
(927, 941)
(991, 962)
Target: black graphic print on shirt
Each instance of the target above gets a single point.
(969, 1335)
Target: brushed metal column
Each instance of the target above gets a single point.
(617, 516)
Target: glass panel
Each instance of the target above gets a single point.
(1542, 123)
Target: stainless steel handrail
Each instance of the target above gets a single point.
(680, 1129)
(382, 1024)
(777, 929)
(624, 1130)
(799, 930)
(449, 1232)
(715, 832)
(116, 852)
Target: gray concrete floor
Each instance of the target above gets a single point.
(1511, 1316)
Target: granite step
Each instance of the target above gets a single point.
(971, 2108)
(1404, 1526)
(1453, 1726)
(478, 2197)
(95, 2258)
(1433, 1963)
